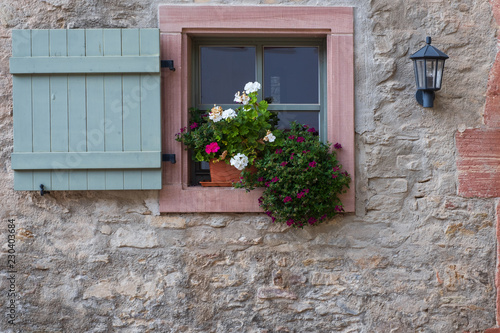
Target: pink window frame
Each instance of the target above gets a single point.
(178, 24)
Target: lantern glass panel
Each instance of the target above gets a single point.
(439, 74)
(430, 73)
(420, 73)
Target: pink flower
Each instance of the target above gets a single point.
(337, 146)
(284, 163)
(279, 151)
(312, 129)
(300, 139)
(339, 209)
(289, 222)
(312, 164)
(212, 148)
(275, 179)
(312, 220)
(194, 125)
(287, 199)
(334, 176)
(291, 137)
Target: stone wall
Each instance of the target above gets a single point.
(415, 257)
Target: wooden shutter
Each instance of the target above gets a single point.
(86, 109)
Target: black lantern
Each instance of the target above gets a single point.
(429, 66)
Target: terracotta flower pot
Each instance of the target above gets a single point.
(222, 174)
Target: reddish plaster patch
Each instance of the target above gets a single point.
(478, 163)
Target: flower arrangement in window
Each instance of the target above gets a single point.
(301, 176)
(234, 136)
(302, 179)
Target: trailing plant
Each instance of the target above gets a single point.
(301, 177)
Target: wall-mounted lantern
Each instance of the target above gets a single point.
(429, 66)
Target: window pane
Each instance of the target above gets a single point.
(224, 71)
(310, 118)
(291, 74)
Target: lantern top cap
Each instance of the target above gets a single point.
(429, 52)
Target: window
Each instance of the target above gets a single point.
(291, 72)
(264, 33)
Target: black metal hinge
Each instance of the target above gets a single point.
(167, 64)
(168, 158)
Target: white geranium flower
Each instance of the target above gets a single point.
(215, 114)
(269, 137)
(243, 98)
(251, 87)
(239, 161)
(229, 114)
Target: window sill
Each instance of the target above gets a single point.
(197, 199)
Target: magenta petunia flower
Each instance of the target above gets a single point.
(312, 164)
(300, 139)
(337, 146)
(287, 199)
(291, 137)
(260, 179)
(275, 179)
(289, 222)
(212, 148)
(334, 176)
(312, 220)
(284, 163)
(194, 125)
(312, 129)
(279, 151)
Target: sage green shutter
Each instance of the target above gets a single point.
(86, 109)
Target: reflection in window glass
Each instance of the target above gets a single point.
(223, 71)
(291, 74)
(310, 118)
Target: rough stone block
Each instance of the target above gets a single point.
(274, 292)
(141, 239)
(167, 222)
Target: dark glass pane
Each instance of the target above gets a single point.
(310, 118)
(291, 74)
(224, 71)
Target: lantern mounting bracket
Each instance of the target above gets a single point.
(425, 98)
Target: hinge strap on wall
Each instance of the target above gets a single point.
(168, 158)
(167, 64)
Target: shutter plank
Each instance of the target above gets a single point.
(41, 107)
(113, 128)
(87, 160)
(22, 108)
(77, 121)
(59, 109)
(95, 108)
(132, 179)
(150, 103)
(76, 42)
(79, 65)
